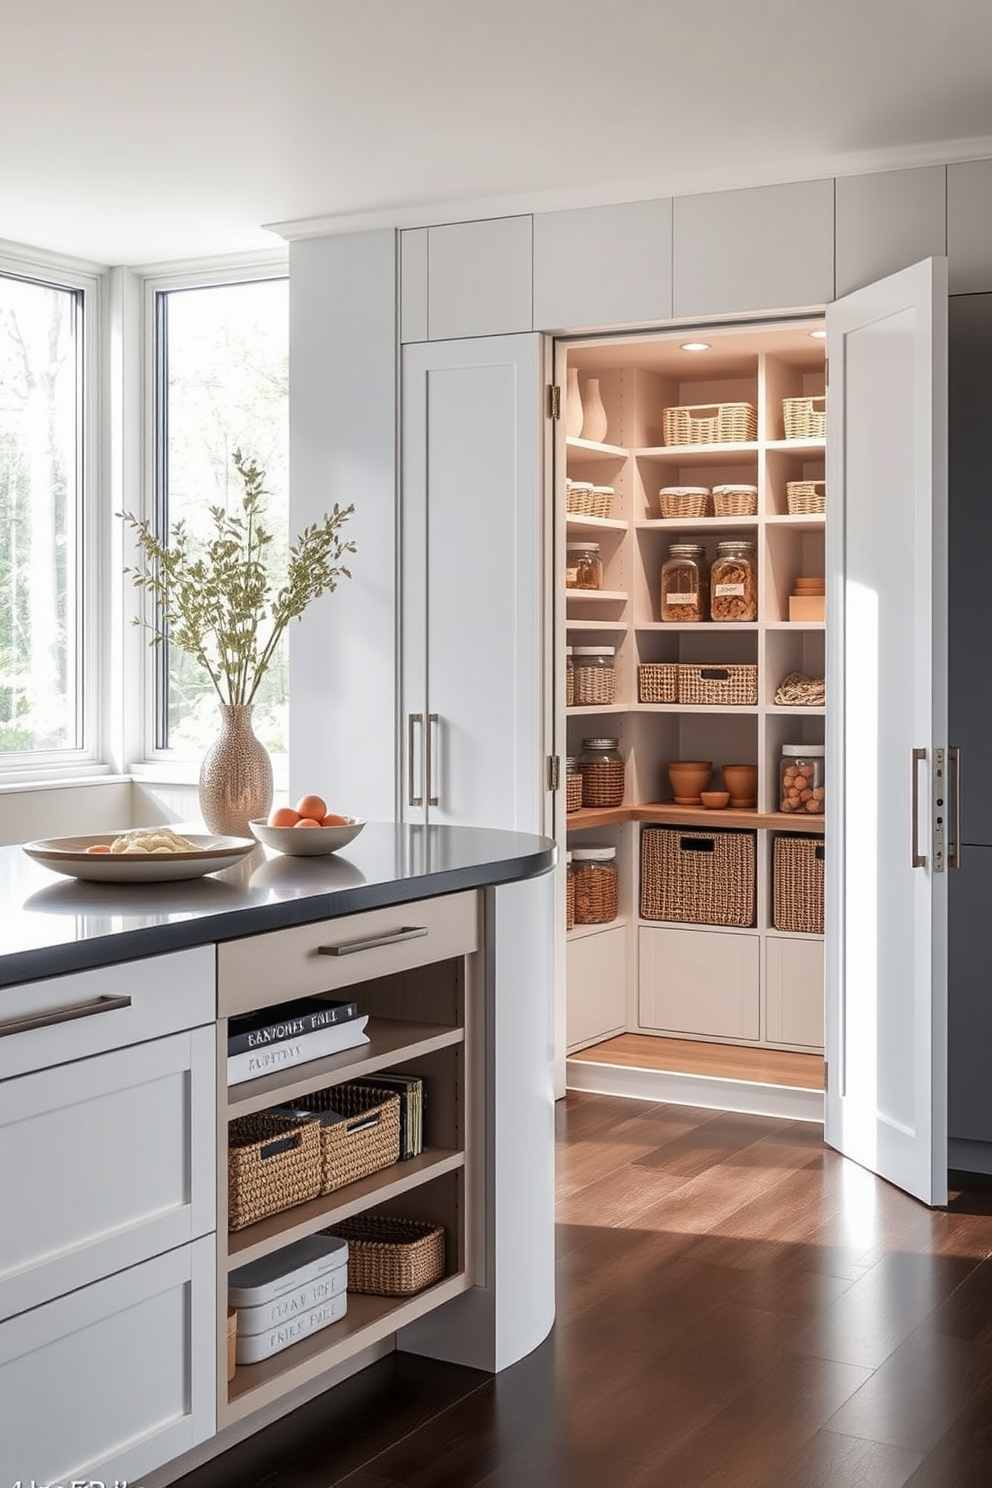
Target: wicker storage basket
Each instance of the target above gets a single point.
(735, 501)
(806, 497)
(697, 878)
(390, 1257)
(365, 1141)
(658, 682)
(710, 423)
(569, 898)
(582, 502)
(592, 684)
(273, 1162)
(685, 501)
(805, 418)
(732, 686)
(573, 790)
(797, 884)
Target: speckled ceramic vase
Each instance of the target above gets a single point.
(236, 775)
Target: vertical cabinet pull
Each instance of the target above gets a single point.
(433, 738)
(414, 722)
(954, 761)
(917, 858)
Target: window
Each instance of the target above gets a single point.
(222, 383)
(41, 535)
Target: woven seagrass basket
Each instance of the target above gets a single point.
(710, 423)
(391, 1257)
(797, 884)
(580, 502)
(685, 501)
(273, 1162)
(366, 1140)
(735, 501)
(658, 682)
(806, 498)
(732, 686)
(805, 418)
(698, 878)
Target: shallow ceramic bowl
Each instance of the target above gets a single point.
(308, 842)
(688, 778)
(715, 800)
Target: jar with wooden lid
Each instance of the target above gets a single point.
(595, 675)
(569, 893)
(800, 778)
(594, 875)
(601, 766)
(573, 785)
(684, 583)
(583, 566)
(734, 581)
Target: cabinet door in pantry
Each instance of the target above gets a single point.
(474, 612)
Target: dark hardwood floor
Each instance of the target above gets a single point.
(738, 1307)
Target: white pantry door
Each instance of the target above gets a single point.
(474, 577)
(886, 862)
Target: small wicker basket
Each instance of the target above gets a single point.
(365, 1141)
(735, 501)
(797, 884)
(391, 1257)
(732, 686)
(685, 501)
(806, 497)
(582, 500)
(805, 418)
(698, 878)
(273, 1162)
(710, 423)
(658, 682)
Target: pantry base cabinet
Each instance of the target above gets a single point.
(698, 982)
(596, 968)
(794, 991)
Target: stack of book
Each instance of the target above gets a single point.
(276, 1038)
(410, 1089)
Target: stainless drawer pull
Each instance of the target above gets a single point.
(349, 947)
(62, 1015)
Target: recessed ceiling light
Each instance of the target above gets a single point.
(695, 346)
(818, 335)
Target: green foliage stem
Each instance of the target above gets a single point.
(221, 605)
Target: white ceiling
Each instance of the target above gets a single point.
(134, 131)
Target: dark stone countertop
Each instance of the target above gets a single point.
(50, 924)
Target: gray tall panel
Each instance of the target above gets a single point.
(970, 708)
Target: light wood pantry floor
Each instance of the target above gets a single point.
(696, 1057)
(738, 1307)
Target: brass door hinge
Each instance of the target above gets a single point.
(554, 772)
(554, 401)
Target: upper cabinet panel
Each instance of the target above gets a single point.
(969, 227)
(479, 278)
(599, 267)
(769, 248)
(888, 221)
(413, 284)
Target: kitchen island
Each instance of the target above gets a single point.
(115, 1115)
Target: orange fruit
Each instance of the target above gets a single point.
(283, 816)
(98, 847)
(315, 807)
(306, 821)
(332, 820)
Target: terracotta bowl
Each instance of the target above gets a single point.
(742, 783)
(688, 778)
(715, 800)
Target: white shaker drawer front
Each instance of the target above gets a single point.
(794, 991)
(699, 982)
(283, 964)
(47, 1022)
(116, 1379)
(105, 1162)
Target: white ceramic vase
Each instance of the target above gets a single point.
(573, 405)
(594, 414)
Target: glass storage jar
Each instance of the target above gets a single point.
(734, 581)
(684, 583)
(569, 893)
(569, 678)
(573, 785)
(800, 778)
(601, 766)
(594, 875)
(595, 675)
(583, 566)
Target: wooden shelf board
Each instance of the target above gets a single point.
(797, 523)
(694, 524)
(796, 625)
(582, 932)
(367, 1320)
(586, 710)
(391, 1039)
(700, 454)
(574, 522)
(278, 1230)
(736, 709)
(587, 818)
(797, 446)
(598, 596)
(588, 450)
(797, 710)
(712, 627)
(695, 1057)
(616, 626)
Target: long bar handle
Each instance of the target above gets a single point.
(61, 1015)
(372, 942)
(413, 721)
(917, 858)
(954, 761)
(433, 726)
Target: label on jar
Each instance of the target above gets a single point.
(571, 576)
(722, 589)
(680, 599)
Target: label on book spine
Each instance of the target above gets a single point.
(293, 1020)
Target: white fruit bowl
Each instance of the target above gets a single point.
(308, 842)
